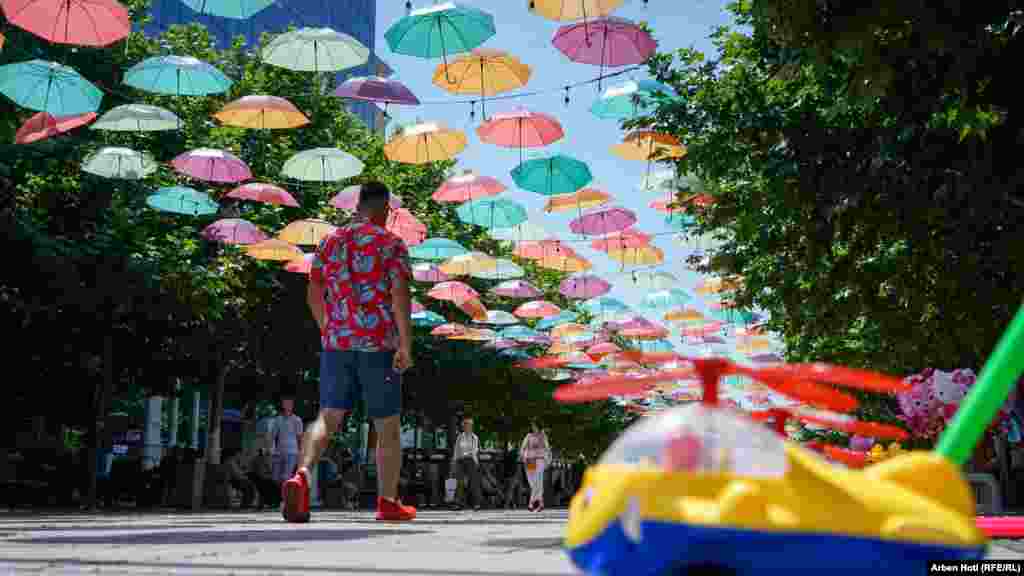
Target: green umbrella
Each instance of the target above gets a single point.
(322, 165)
(732, 315)
(492, 213)
(120, 163)
(437, 31)
(182, 200)
(437, 249)
(552, 175)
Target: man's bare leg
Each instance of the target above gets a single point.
(318, 435)
(389, 455)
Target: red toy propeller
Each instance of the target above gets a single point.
(858, 427)
(837, 375)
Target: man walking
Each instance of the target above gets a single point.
(359, 296)
(287, 434)
(466, 463)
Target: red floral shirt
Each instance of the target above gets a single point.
(359, 263)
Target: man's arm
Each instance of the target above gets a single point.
(401, 303)
(476, 448)
(315, 288)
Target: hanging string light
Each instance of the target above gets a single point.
(566, 95)
(472, 110)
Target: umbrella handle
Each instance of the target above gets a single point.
(444, 52)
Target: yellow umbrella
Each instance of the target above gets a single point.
(483, 71)
(471, 263)
(261, 112)
(564, 263)
(569, 10)
(424, 143)
(649, 145)
(684, 315)
(306, 232)
(581, 200)
(563, 330)
(639, 256)
(752, 345)
(274, 249)
(719, 285)
(475, 335)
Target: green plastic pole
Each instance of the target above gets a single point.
(988, 394)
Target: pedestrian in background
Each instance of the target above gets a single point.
(535, 452)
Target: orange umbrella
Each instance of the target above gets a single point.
(639, 256)
(424, 143)
(719, 285)
(306, 232)
(683, 315)
(565, 263)
(579, 200)
(43, 125)
(261, 112)
(274, 249)
(566, 329)
(654, 333)
(483, 71)
(474, 308)
(649, 145)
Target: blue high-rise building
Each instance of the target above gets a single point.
(357, 18)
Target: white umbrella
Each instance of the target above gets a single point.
(137, 118)
(322, 165)
(315, 50)
(530, 231)
(500, 318)
(120, 163)
(649, 280)
(502, 270)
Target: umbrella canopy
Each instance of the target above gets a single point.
(437, 249)
(602, 222)
(520, 129)
(584, 286)
(562, 318)
(453, 291)
(424, 143)
(608, 42)
(683, 315)
(651, 280)
(43, 125)
(474, 308)
(262, 192)
(322, 165)
(182, 200)
(315, 50)
(629, 100)
(49, 87)
(666, 299)
(498, 317)
(537, 309)
(376, 89)
(212, 165)
(520, 332)
(543, 249)
(642, 256)
(599, 303)
(529, 231)
(261, 112)
(177, 76)
(427, 319)
(234, 231)
(439, 30)
(567, 264)
(492, 213)
(570, 10)
(348, 199)
(719, 285)
(649, 145)
(415, 306)
(137, 118)
(119, 163)
(234, 9)
(307, 232)
(628, 238)
(302, 265)
(502, 269)
(484, 71)
(406, 226)
(76, 22)
(450, 329)
(274, 249)
(553, 175)
(517, 289)
(467, 186)
(580, 200)
(466, 264)
(427, 272)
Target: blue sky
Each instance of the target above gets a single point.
(676, 25)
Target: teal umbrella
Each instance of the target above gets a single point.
(177, 76)
(49, 87)
(234, 9)
(437, 249)
(515, 353)
(519, 333)
(552, 175)
(653, 346)
(681, 220)
(182, 200)
(732, 315)
(492, 213)
(427, 319)
(440, 30)
(666, 299)
(632, 99)
(563, 317)
(595, 305)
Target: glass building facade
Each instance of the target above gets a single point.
(357, 18)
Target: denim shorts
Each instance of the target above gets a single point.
(347, 376)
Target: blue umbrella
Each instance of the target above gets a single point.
(652, 346)
(632, 99)
(492, 213)
(177, 76)
(563, 317)
(49, 87)
(182, 200)
(440, 30)
(552, 175)
(437, 249)
(596, 305)
(519, 332)
(234, 9)
(427, 319)
(515, 353)
(665, 299)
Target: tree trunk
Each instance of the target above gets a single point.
(215, 415)
(98, 433)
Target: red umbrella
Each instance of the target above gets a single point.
(403, 224)
(77, 22)
(44, 125)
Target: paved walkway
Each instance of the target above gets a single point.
(488, 543)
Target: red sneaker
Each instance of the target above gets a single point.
(295, 498)
(394, 511)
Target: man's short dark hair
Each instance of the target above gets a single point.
(373, 196)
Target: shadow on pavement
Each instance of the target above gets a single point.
(106, 527)
(286, 534)
(527, 543)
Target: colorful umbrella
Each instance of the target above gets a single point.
(629, 100)
(234, 231)
(584, 286)
(424, 143)
(437, 249)
(426, 272)
(415, 306)
(262, 192)
(602, 349)
(467, 186)
(719, 285)
(667, 206)
(177, 76)
(234, 9)
(466, 264)
(427, 319)
(543, 249)
(521, 333)
(43, 125)
(212, 165)
(137, 118)
(642, 256)
(474, 308)
(581, 200)
(440, 30)
(453, 291)
(119, 163)
(567, 264)
(651, 280)
(602, 222)
(563, 318)
(348, 199)
(520, 129)
(552, 175)
(608, 42)
(450, 329)
(492, 213)
(483, 71)
(322, 165)
(666, 299)
(569, 10)
(498, 317)
(406, 226)
(476, 334)
(596, 304)
(502, 269)
(49, 87)
(261, 112)
(306, 232)
(537, 309)
(628, 238)
(376, 89)
(274, 249)
(315, 50)
(529, 231)
(182, 200)
(78, 22)
(517, 289)
(649, 145)
(302, 265)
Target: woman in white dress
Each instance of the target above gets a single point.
(535, 452)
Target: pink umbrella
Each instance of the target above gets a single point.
(703, 330)
(536, 309)
(663, 206)
(427, 272)
(503, 343)
(608, 42)
(517, 289)
(348, 199)
(714, 340)
(603, 222)
(403, 224)
(520, 129)
(634, 323)
(543, 249)
(467, 186)
(300, 266)
(453, 291)
(376, 89)
(625, 239)
(262, 192)
(450, 329)
(44, 125)
(234, 231)
(584, 286)
(212, 166)
(94, 23)
(602, 349)
(415, 307)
